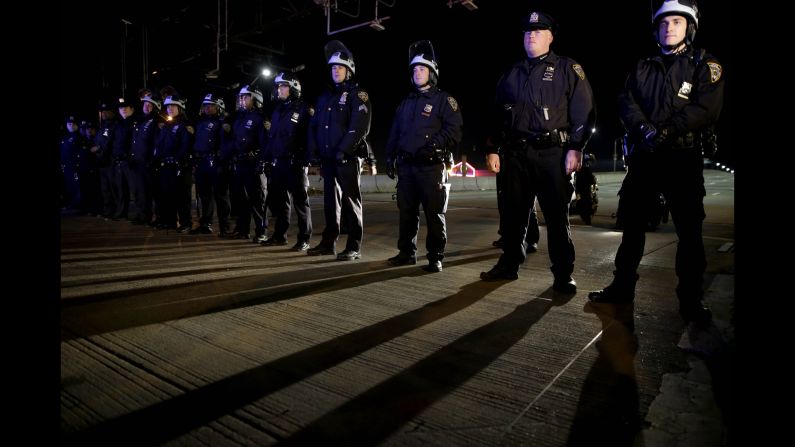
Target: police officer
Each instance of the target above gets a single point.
(287, 146)
(143, 146)
(667, 101)
(546, 105)
(121, 147)
(172, 153)
(209, 134)
(102, 148)
(88, 171)
(426, 126)
(70, 163)
(249, 181)
(338, 135)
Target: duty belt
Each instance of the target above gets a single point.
(414, 159)
(542, 140)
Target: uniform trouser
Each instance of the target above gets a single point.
(72, 185)
(342, 195)
(249, 191)
(206, 180)
(531, 173)
(288, 189)
(141, 191)
(172, 195)
(89, 191)
(121, 188)
(678, 175)
(222, 200)
(533, 233)
(425, 185)
(106, 188)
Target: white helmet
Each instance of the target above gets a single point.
(174, 100)
(151, 100)
(255, 94)
(421, 53)
(338, 54)
(214, 99)
(291, 81)
(685, 8)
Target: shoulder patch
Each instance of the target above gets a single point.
(715, 72)
(311, 111)
(453, 103)
(267, 124)
(578, 69)
(190, 129)
(363, 95)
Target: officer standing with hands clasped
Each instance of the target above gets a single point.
(338, 135)
(547, 112)
(427, 125)
(668, 101)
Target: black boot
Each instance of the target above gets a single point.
(621, 290)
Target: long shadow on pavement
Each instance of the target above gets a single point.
(166, 420)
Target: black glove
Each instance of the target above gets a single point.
(341, 157)
(390, 168)
(431, 150)
(651, 136)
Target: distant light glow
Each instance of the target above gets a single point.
(593, 130)
(266, 72)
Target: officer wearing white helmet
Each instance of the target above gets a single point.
(338, 136)
(289, 151)
(426, 128)
(668, 100)
(547, 112)
(172, 155)
(249, 180)
(212, 186)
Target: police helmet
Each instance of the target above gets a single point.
(338, 54)
(174, 100)
(421, 53)
(150, 99)
(685, 8)
(255, 94)
(291, 81)
(214, 99)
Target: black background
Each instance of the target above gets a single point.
(473, 48)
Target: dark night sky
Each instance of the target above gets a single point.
(473, 48)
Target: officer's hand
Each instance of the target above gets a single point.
(573, 161)
(659, 137)
(390, 168)
(340, 157)
(493, 162)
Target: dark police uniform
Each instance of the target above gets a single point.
(172, 152)
(426, 127)
(288, 148)
(104, 143)
(250, 183)
(120, 154)
(547, 109)
(338, 133)
(209, 135)
(70, 165)
(680, 96)
(141, 188)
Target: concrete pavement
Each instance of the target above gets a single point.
(191, 339)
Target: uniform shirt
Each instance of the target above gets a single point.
(341, 121)
(122, 138)
(248, 132)
(429, 117)
(70, 150)
(288, 134)
(104, 141)
(209, 131)
(543, 94)
(173, 141)
(685, 97)
(143, 139)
